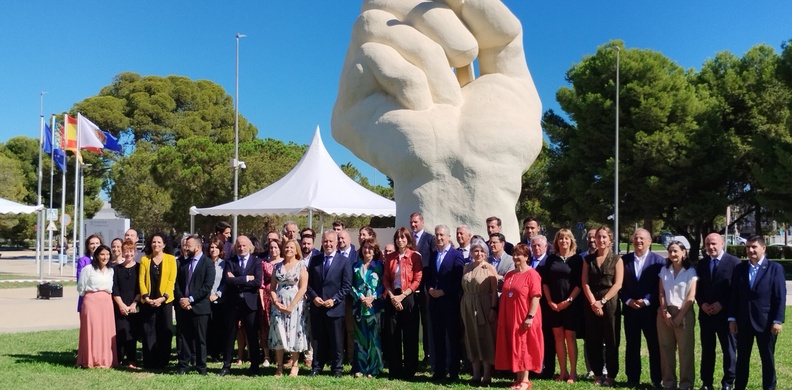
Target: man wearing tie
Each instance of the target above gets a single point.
(242, 280)
(346, 249)
(756, 310)
(329, 282)
(538, 260)
(194, 281)
(639, 297)
(444, 284)
(713, 293)
(424, 244)
(463, 239)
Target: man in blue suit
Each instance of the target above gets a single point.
(346, 249)
(194, 280)
(713, 295)
(444, 286)
(242, 278)
(539, 249)
(329, 282)
(756, 310)
(639, 297)
(424, 244)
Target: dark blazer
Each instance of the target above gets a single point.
(353, 254)
(336, 285)
(239, 285)
(508, 247)
(200, 284)
(715, 288)
(758, 306)
(648, 285)
(449, 277)
(425, 246)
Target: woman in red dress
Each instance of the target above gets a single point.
(520, 344)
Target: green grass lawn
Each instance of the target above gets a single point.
(44, 360)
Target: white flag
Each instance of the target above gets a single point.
(89, 135)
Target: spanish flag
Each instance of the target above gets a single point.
(68, 131)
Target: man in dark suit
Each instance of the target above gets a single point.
(424, 244)
(242, 280)
(539, 247)
(713, 293)
(639, 296)
(346, 249)
(444, 286)
(194, 280)
(494, 226)
(756, 310)
(329, 282)
(463, 236)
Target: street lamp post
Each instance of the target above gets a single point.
(616, 179)
(236, 135)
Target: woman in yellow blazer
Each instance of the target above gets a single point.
(157, 276)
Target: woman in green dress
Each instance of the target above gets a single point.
(367, 291)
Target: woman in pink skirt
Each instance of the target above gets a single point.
(97, 321)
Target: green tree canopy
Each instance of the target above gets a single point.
(163, 110)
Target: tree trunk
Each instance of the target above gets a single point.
(758, 221)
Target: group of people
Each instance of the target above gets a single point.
(485, 303)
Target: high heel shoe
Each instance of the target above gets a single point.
(279, 371)
(294, 370)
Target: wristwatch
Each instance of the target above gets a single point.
(530, 316)
(603, 300)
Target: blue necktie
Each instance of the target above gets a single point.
(715, 265)
(752, 274)
(327, 264)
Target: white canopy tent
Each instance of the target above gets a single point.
(10, 207)
(315, 185)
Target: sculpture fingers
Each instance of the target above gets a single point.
(435, 20)
(415, 47)
(499, 36)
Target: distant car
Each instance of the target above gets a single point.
(780, 244)
(735, 240)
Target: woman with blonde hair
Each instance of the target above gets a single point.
(561, 287)
(288, 284)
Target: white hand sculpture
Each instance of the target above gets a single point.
(408, 104)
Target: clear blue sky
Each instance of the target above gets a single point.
(291, 59)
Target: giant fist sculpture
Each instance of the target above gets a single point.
(409, 104)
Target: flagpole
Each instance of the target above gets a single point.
(40, 214)
(52, 184)
(62, 258)
(76, 190)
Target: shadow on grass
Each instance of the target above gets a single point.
(60, 358)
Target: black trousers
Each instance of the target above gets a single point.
(157, 335)
(401, 336)
(216, 332)
(549, 362)
(421, 302)
(765, 344)
(637, 321)
(711, 327)
(237, 310)
(607, 330)
(445, 331)
(191, 330)
(328, 341)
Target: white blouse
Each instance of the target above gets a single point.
(676, 289)
(95, 280)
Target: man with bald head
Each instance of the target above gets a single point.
(132, 235)
(713, 297)
(242, 278)
(639, 300)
